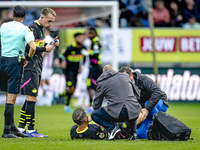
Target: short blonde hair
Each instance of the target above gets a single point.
(46, 11)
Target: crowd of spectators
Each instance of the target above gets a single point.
(4, 15)
(166, 13)
(134, 13)
(31, 15)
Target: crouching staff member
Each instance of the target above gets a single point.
(152, 99)
(118, 89)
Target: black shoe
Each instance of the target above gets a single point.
(9, 135)
(114, 133)
(133, 137)
(19, 134)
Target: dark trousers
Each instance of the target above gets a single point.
(101, 117)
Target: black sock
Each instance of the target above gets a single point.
(30, 114)
(68, 97)
(22, 121)
(91, 101)
(8, 114)
(13, 127)
(133, 125)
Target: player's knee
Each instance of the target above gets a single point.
(71, 89)
(31, 98)
(92, 115)
(142, 134)
(143, 129)
(11, 98)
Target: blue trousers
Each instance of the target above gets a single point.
(143, 129)
(101, 117)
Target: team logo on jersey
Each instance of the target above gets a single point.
(101, 135)
(69, 83)
(34, 90)
(124, 125)
(73, 52)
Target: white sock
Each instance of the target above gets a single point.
(21, 129)
(30, 131)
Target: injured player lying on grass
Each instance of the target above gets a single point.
(83, 130)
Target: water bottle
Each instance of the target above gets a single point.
(53, 42)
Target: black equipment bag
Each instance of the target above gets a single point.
(166, 127)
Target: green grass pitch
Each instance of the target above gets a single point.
(56, 123)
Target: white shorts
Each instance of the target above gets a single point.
(46, 73)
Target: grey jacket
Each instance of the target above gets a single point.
(118, 89)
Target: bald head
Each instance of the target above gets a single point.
(107, 68)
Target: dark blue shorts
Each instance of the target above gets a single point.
(10, 74)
